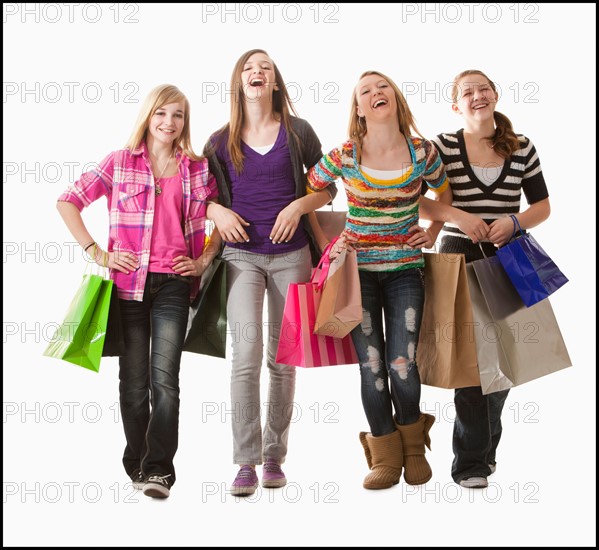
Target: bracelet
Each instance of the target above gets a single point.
(514, 222)
(103, 259)
(88, 245)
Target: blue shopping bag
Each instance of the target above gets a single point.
(530, 269)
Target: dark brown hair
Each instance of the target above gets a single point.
(505, 141)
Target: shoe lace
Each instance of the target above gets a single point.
(246, 472)
(159, 479)
(272, 468)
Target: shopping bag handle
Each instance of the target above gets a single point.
(516, 223)
(100, 270)
(322, 269)
(480, 245)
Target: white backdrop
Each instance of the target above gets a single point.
(73, 80)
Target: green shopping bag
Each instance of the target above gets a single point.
(80, 337)
(208, 332)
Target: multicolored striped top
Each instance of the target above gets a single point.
(381, 211)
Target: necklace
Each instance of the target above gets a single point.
(157, 187)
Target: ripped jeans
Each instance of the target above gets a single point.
(389, 351)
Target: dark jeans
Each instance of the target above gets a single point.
(477, 429)
(389, 353)
(149, 373)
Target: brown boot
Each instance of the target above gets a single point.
(384, 455)
(414, 437)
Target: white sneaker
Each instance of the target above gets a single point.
(474, 482)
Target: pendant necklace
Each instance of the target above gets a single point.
(157, 187)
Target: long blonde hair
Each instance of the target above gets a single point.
(357, 125)
(158, 97)
(281, 105)
(504, 141)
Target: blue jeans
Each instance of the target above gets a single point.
(477, 428)
(389, 353)
(149, 373)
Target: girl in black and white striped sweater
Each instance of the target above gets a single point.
(488, 167)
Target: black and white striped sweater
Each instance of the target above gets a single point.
(521, 172)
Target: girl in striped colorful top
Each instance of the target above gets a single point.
(383, 167)
(488, 166)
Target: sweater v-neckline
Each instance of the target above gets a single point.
(473, 177)
(249, 148)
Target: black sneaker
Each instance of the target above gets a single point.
(138, 480)
(157, 486)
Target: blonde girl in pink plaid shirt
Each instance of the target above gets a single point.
(157, 190)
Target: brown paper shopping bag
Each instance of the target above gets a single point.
(340, 309)
(332, 222)
(446, 352)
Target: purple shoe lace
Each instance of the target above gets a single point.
(272, 475)
(245, 482)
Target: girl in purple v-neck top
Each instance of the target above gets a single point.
(264, 188)
(259, 159)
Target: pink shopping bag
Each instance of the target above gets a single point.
(298, 345)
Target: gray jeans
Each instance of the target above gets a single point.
(249, 277)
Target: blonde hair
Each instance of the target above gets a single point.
(504, 141)
(281, 105)
(159, 97)
(357, 125)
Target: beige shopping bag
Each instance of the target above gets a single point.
(332, 222)
(340, 309)
(446, 352)
(488, 351)
(528, 341)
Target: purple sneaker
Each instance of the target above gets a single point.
(246, 482)
(272, 475)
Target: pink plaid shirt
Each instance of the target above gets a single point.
(125, 179)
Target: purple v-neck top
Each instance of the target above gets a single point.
(265, 186)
